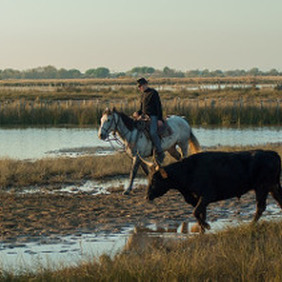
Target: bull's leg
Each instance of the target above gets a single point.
(204, 217)
(134, 169)
(174, 153)
(261, 195)
(277, 194)
(200, 214)
(190, 199)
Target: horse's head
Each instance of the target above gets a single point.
(108, 123)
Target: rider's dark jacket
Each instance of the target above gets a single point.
(151, 104)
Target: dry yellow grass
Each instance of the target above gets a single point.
(16, 173)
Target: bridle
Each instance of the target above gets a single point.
(115, 122)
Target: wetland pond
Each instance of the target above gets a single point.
(105, 220)
(36, 143)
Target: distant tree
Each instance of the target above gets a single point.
(273, 72)
(118, 74)
(172, 73)
(141, 71)
(193, 73)
(10, 74)
(254, 72)
(98, 73)
(216, 73)
(62, 73)
(205, 73)
(73, 73)
(35, 73)
(235, 73)
(90, 73)
(102, 72)
(49, 72)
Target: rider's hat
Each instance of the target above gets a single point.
(142, 81)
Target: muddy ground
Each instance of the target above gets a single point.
(31, 216)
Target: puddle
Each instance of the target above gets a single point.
(92, 187)
(101, 187)
(55, 252)
(81, 151)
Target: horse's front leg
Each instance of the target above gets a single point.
(134, 169)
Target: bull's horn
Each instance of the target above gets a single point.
(149, 164)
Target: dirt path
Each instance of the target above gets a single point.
(31, 216)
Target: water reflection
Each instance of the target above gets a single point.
(35, 143)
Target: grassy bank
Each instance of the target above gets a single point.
(246, 253)
(17, 174)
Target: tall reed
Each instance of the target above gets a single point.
(198, 111)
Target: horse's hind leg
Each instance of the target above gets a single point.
(184, 149)
(277, 194)
(174, 153)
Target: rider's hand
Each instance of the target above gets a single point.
(136, 115)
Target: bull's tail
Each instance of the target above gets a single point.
(194, 144)
(277, 191)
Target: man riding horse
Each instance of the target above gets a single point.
(151, 107)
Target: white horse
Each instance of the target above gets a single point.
(138, 144)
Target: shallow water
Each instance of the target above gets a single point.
(91, 187)
(55, 252)
(36, 143)
(62, 251)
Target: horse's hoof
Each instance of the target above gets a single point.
(126, 192)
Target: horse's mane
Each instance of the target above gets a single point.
(128, 121)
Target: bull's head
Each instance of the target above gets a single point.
(158, 180)
(107, 124)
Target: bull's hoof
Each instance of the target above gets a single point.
(196, 228)
(126, 192)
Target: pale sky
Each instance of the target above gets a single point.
(122, 34)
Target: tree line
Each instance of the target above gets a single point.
(50, 72)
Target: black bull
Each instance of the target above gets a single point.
(213, 176)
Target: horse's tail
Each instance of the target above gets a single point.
(194, 144)
(193, 141)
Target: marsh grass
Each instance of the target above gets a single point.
(245, 253)
(207, 111)
(85, 107)
(16, 173)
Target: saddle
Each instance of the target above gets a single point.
(143, 125)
